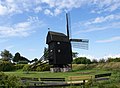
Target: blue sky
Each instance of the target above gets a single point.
(24, 25)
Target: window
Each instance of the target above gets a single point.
(59, 50)
(51, 50)
(58, 43)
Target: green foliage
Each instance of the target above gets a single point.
(24, 59)
(17, 57)
(109, 66)
(40, 66)
(81, 60)
(102, 61)
(26, 67)
(22, 62)
(94, 61)
(45, 53)
(6, 55)
(78, 67)
(19, 66)
(35, 60)
(39, 69)
(20, 59)
(74, 54)
(113, 60)
(44, 67)
(9, 81)
(6, 66)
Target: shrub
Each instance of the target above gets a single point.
(77, 67)
(19, 66)
(9, 81)
(44, 67)
(26, 67)
(6, 66)
(39, 69)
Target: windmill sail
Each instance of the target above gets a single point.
(80, 43)
(76, 43)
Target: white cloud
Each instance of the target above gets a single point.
(48, 12)
(111, 56)
(105, 5)
(102, 19)
(97, 24)
(21, 29)
(87, 56)
(3, 10)
(101, 5)
(116, 38)
(57, 11)
(38, 9)
(19, 6)
(98, 58)
(92, 29)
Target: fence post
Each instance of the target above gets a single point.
(83, 83)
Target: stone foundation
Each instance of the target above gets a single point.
(58, 69)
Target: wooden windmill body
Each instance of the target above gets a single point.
(60, 49)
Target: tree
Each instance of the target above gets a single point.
(102, 60)
(45, 53)
(6, 66)
(10, 81)
(35, 60)
(74, 54)
(81, 60)
(23, 60)
(117, 59)
(17, 57)
(6, 55)
(94, 61)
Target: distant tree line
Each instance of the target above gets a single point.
(8, 62)
(84, 60)
(17, 58)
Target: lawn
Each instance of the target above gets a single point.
(34, 74)
(114, 81)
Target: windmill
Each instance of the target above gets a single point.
(60, 49)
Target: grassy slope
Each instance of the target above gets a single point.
(60, 74)
(79, 70)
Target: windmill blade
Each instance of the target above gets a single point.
(80, 40)
(80, 43)
(68, 25)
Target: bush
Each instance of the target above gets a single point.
(44, 67)
(109, 66)
(26, 67)
(81, 60)
(77, 67)
(6, 66)
(39, 69)
(19, 66)
(9, 81)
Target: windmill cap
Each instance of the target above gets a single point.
(56, 37)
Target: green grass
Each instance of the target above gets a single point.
(78, 71)
(34, 74)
